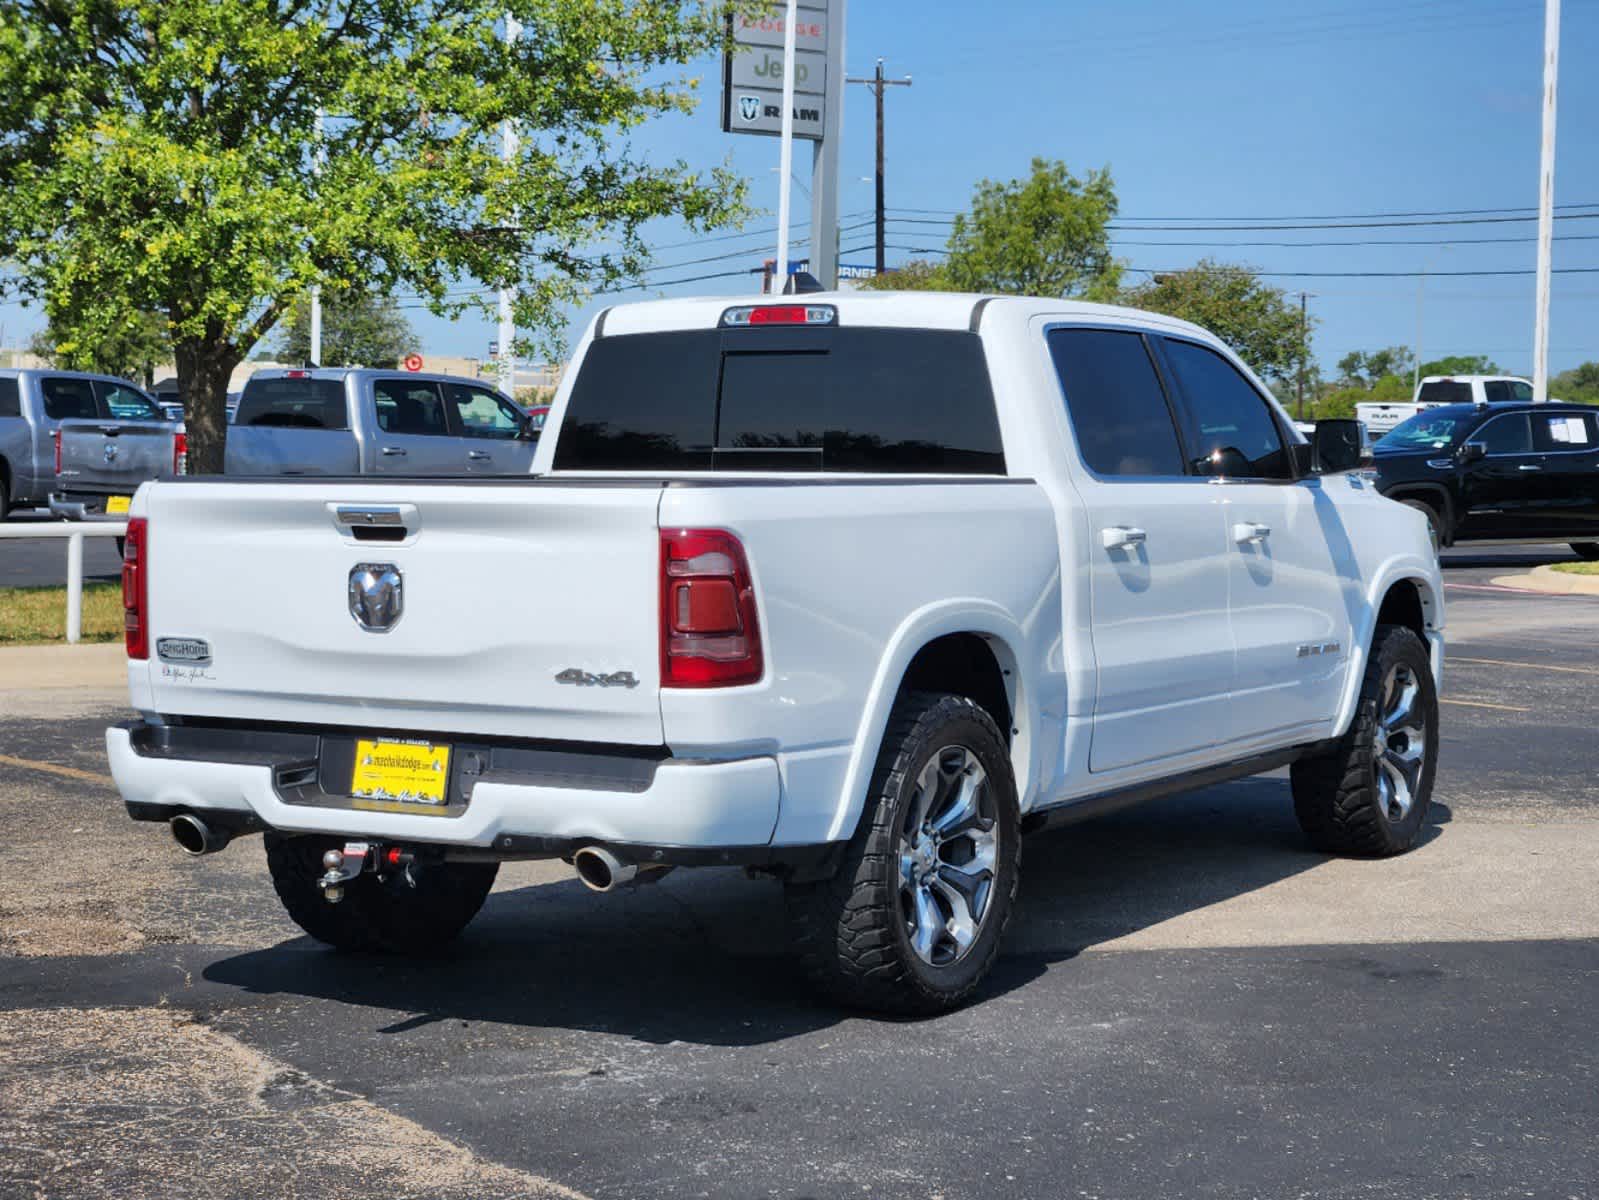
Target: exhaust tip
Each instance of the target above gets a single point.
(195, 837)
(600, 870)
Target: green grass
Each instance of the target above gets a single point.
(1578, 568)
(37, 616)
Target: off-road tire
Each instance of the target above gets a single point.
(849, 930)
(1335, 793)
(1435, 530)
(376, 914)
(1587, 551)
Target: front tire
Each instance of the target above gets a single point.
(386, 914)
(1369, 795)
(1434, 522)
(913, 919)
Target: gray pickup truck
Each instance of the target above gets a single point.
(81, 443)
(361, 421)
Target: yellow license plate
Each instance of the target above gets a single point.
(399, 773)
(118, 504)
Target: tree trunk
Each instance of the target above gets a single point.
(204, 368)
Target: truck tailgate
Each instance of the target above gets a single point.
(114, 456)
(528, 609)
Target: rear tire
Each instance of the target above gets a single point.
(1434, 522)
(1587, 551)
(5, 494)
(376, 914)
(1369, 795)
(913, 919)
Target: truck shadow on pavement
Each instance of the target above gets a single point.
(702, 957)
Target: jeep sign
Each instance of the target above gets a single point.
(752, 76)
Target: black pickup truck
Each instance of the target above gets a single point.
(1499, 472)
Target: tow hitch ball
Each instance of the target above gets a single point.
(341, 866)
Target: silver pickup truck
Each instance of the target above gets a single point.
(82, 443)
(361, 421)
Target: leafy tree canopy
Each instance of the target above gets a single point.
(1257, 320)
(158, 158)
(132, 349)
(358, 331)
(1365, 368)
(1580, 385)
(1462, 364)
(917, 275)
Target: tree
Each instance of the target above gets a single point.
(358, 331)
(1045, 235)
(1365, 368)
(159, 157)
(132, 350)
(1462, 364)
(917, 275)
(1580, 385)
(1258, 321)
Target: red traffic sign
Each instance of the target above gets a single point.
(413, 362)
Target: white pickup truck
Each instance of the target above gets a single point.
(1434, 391)
(853, 590)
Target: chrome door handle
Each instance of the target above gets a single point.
(1121, 535)
(393, 451)
(1529, 467)
(1246, 532)
(478, 455)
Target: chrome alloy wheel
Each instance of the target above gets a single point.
(1400, 738)
(947, 850)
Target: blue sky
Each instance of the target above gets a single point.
(1228, 109)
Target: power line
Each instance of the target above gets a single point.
(1365, 216)
(1284, 228)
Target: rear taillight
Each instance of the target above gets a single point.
(56, 437)
(180, 454)
(136, 588)
(710, 636)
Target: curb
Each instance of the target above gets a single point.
(1556, 583)
(34, 668)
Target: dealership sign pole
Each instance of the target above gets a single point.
(785, 154)
(757, 75)
(1546, 202)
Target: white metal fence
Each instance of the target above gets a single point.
(74, 533)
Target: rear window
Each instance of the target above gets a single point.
(854, 400)
(68, 399)
(297, 403)
(1445, 391)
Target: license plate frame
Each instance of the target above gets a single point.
(390, 774)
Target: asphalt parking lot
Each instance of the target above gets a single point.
(1190, 1003)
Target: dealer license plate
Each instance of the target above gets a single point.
(117, 504)
(400, 773)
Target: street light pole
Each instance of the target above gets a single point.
(505, 364)
(878, 84)
(1546, 202)
(318, 157)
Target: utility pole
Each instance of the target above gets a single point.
(879, 84)
(1546, 202)
(1304, 341)
(505, 368)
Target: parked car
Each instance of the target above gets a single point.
(1499, 472)
(34, 404)
(1055, 559)
(360, 421)
(1434, 391)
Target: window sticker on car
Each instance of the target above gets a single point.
(1573, 430)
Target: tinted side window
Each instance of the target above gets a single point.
(643, 402)
(1116, 403)
(10, 398)
(1521, 392)
(126, 403)
(297, 403)
(1562, 431)
(68, 399)
(481, 413)
(409, 406)
(1509, 434)
(1496, 391)
(1227, 426)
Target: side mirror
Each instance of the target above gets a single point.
(1339, 445)
(1473, 452)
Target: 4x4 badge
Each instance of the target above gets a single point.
(585, 679)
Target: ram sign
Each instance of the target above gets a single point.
(752, 77)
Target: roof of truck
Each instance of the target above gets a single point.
(912, 310)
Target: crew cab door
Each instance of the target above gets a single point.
(1503, 494)
(1156, 559)
(413, 431)
(490, 429)
(1569, 481)
(1288, 559)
